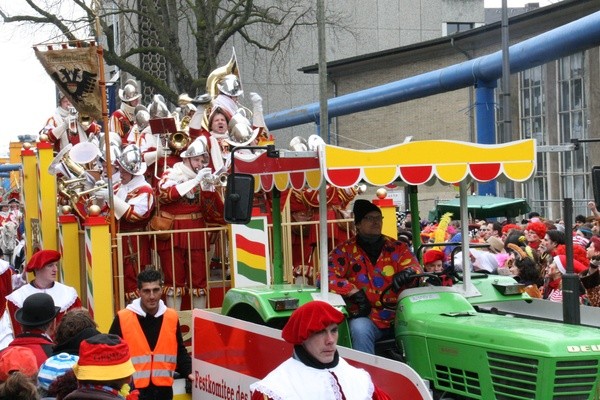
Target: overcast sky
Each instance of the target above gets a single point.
(28, 98)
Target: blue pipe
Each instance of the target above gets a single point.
(485, 121)
(560, 42)
(10, 167)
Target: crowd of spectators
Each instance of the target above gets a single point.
(532, 251)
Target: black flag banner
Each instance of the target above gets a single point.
(76, 72)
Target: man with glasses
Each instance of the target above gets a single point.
(362, 267)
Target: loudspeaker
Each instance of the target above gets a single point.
(238, 198)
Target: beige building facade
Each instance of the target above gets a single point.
(552, 103)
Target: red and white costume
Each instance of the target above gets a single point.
(139, 196)
(121, 121)
(6, 288)
(190, 210)
(64, 297)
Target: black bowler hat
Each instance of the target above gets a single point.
(38, 309)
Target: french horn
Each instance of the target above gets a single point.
(178, 142)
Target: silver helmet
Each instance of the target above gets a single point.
(230, 85)
(240, 130)
(197, 148)
(158, 108)
(142, 116)
(130, 160)
(115, 144)
(130, 91)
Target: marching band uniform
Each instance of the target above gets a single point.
(190, 203)
(64, 127)
(122, 120)
(133, 201)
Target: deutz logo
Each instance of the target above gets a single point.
(584, 348)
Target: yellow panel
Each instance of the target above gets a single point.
(451, 173)
(313, 178)
(380, 176)
(519, 172)
(281, 180)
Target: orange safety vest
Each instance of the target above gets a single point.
(158, 365)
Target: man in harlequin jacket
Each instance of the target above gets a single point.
(362, 267)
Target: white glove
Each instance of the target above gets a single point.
(255, 99)
(160, 151)
(150, 157)
(203, 174)
(121, 207)
(59, 130)
(258, 120)
(205, 178)
(102, 194)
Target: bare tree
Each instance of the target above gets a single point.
(186, 36)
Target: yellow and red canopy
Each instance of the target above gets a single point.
(414, 163)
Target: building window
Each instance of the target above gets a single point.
(532, 124)
(572, 114)
(455, 27)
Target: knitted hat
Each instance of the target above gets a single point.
(103, 357)
(539, 228)
(580, 240)
(432, 255)
(362, 208)
(42, 258)
(310, 318)
(561, 264)
(17, 358)
(38, 309)
(54, 367)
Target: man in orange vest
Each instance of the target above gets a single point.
(155, 361)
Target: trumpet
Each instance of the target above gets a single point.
(76, 195)
(216, 180)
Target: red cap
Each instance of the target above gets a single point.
(42, 258)
(432, 255)
(310, 318)
(17, 358)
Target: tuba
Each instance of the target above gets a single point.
(231, 68)
(64, 165)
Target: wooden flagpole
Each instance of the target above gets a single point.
(109, 173)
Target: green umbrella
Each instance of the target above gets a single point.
(481, 207)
